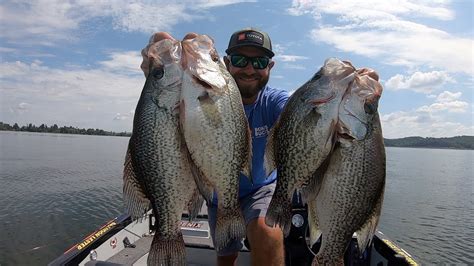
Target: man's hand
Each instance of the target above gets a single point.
(369, 72)
(156, 37)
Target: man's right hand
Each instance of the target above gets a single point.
(156, 37)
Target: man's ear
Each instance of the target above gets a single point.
(271, 64)
(226, 61)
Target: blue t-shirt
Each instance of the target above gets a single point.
(261, 115)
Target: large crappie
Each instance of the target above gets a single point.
(348, 196)
(303, 136)
(157, 168)
(216, 133)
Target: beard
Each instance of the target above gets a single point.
(248, 91)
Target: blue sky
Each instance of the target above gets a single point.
(78, 62)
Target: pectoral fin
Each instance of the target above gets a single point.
(210, 109)
(136, 202)
(269, 157)
(195, 204)
(365, 234)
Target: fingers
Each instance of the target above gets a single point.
(156, 37)
(369, 72)
(190, 35)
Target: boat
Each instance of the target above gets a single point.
(122, 241)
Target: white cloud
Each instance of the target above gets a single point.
(385, 30)
(424, 124)
(448, 96)
(74, 91)
(452, 106)
(430, 120)
(53, 22)
(446, 101)
(127, 62)
(294, 66)
(217, 3)
(419, 81)
(290, 58)
(371, 8)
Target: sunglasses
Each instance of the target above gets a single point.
(242, 61)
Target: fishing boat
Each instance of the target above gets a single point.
(122, 241)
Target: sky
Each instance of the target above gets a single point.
(77, 63)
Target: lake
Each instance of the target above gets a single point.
(55, 189)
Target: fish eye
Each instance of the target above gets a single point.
(370, 108)
(158, 72)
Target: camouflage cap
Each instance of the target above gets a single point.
(250, 37)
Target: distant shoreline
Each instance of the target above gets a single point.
(457, 142)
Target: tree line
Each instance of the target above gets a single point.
(57, 129)
(458, 142)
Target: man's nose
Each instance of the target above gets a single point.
(249, 68)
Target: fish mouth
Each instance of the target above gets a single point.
(344, 135)
(202, 83)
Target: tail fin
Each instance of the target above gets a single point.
(167, 251)
(195, 204)
(279, 211)
(230, 225)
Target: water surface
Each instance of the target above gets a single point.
(55, 189)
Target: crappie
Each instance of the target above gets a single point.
(304, 135)
(216, 133)
(349, 196)
(157, 169)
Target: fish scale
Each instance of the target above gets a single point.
(159, 157)
(347, 197)
(216, 133)
(351, 194)
(303, 136)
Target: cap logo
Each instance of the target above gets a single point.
(251, 36)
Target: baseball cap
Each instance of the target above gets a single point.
(250, 37)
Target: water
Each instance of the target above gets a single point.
(56, 189)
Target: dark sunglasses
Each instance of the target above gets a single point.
(242, 61)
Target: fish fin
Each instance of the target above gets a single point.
(367, 231)
(313, 223)
(230, 225)
(311, 189)
(167, 251)
(135, 200)
(247, 167)
(269, 157)
(210, 110)
(203, 185)
(312, 117)
(279, 211)
(195, 204)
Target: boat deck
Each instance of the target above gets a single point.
(138, 255)
(199, 246)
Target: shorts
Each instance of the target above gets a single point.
(253, 206)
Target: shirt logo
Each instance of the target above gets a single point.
(261, 131)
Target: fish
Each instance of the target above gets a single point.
(347, 196)
(303, 136)
(216, 133)
(157, 169)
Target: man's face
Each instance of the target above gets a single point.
(249, 80)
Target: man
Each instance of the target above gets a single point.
(249, 61)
